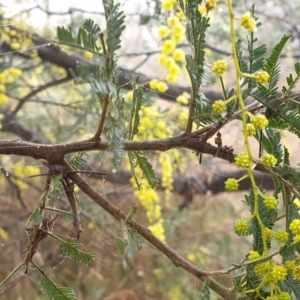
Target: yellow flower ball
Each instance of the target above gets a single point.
(153, 84)
(172, 21)
(168, 47)
(178, 55)
(3, 98)
(248, 22)
(15, 46)
(15, 72)
(163, 31)
(163, 60)
(161, 87)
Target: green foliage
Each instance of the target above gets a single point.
(114, 25)
(267, 217)
(205, 293)
(134, 118)
(138, 158)
(71, 250)
(78, 161)
(114, 128)
(272, 66)
(195, 34)
(122, 245)
(54, 292)
(204, 115)
(84, 40)
(270, 141)
(291, 81)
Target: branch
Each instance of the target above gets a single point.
(176, 259)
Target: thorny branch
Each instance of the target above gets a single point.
(176, 259)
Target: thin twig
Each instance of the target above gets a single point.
(102, 119)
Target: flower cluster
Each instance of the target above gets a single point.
(270, 202)
(260, 121)
(296, 272)
(209, 5)
(151, 125)
(268, 234)
(284, 296)
(219, 106)
(253, 255)
(279, 273)
(281, 236)
(295, 226)
(248, 22)
(158, 230)
(166, 174)
(250, 129)
(261, 268)
(8, 76)
(219, 67)
(158, 85)
(269, 160)
(242, 160)
(231, 184)
(172, 34)
(262, 77)
(168, 5)
(241, 226)
(183, 98)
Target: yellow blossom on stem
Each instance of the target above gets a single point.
(260, 121)
(15, 46)
(219, 67)
(250, 129)
(219, 106)
(158, 230)
(172, 21)
(178, 55)
(153, 84)
(182, 99)
(168, 47)
(129, 95)
(209, 5)
(295, 227)
(164, 60)
(181, 16)
(163, 31)
(167, 5)
(242, 160)
(262, 77)
(171, 78)
(269, 160)
(248, 22)
(161, 87)
(3, 98)
(15, 72)
(173, 69)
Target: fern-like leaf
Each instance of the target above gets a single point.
(146, 168)
(54, 292)
(205, 293)
(71, 250)
(84, 40)
(134, 121)
(78, 161)
(267, 217)
(114, 25)
(272, 66)
(270, 141)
